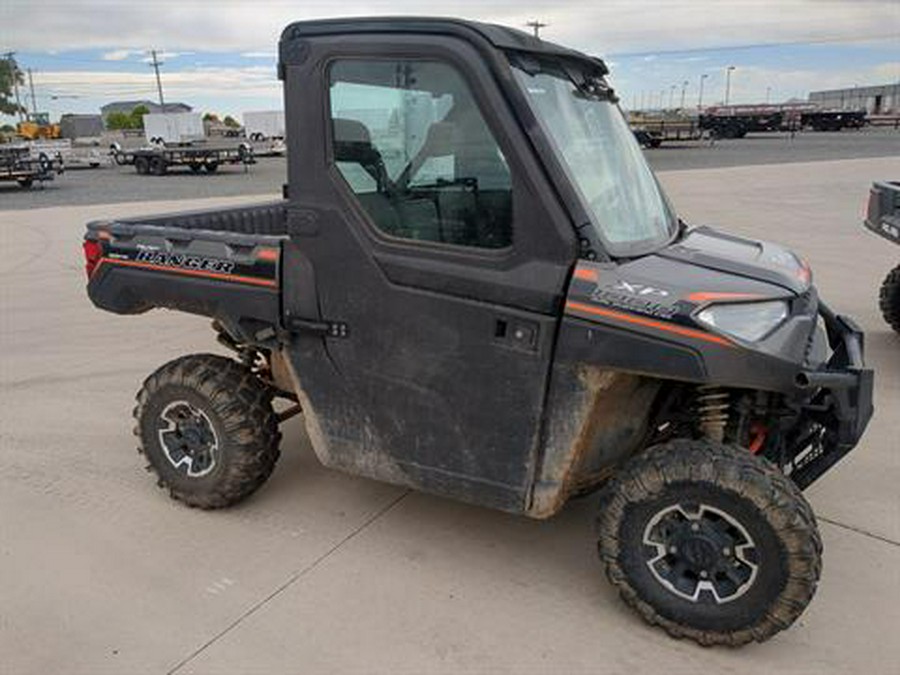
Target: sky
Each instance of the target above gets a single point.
(220, 55)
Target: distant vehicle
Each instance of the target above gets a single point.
(18, 164)
(158, 159)
(265, 130)
(736, 121)
(37, 125)
(264, 124)
(173, 128)
(86, 154)
(883, 218)
(651, 129)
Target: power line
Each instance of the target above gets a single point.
(155, 64)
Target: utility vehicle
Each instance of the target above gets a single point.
(475, 286)
(883, 218)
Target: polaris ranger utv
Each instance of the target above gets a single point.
(474, 286)
(883, 218)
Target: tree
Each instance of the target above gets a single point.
(9, 76)
(118, 120)
(137, 116)
(211, 117)
(230, 122)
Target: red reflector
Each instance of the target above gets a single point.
(93, 251)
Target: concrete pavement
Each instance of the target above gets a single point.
(321, 572)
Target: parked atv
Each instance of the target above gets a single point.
(475, 286)
(883, 218)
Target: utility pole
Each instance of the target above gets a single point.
(155, 64)
(33, 99)
(14, 69)
(683, 87)
(700, 96)
(728, 71)
(672, 96)
(536, 27)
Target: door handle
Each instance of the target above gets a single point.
(516, 333)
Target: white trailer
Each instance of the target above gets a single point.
(264, 125)
(176, 128)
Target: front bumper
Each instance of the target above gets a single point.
(839, 399)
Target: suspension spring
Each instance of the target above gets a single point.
(713, 406)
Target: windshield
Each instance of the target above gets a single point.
(601, 157)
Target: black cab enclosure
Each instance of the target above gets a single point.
(475, 286)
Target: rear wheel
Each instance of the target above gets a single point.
(889, 298)
(25, 182)
(709, 542)
(142, 165)
(212, 166)
(158, 166)
(206, 426)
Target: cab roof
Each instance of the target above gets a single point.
(500, 37)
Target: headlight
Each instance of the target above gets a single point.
(748, 321)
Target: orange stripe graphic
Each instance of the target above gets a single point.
(705, 297)
(647, 323)
(586, 274)
(193, 273)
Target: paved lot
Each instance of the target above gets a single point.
(122, 184)
(320, 572)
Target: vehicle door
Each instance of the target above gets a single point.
(439, 257)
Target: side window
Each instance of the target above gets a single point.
(409, 140)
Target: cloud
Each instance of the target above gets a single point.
(604, 28)
(119, 54)
(185, 84)
(259, 55)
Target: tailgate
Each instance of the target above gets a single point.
(883, 211)
(232, 277)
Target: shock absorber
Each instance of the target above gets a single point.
(713, 407)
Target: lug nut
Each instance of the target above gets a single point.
(673, 549)
(704, 574)
(726, 551)
(695, 527)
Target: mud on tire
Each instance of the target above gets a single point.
(741, 507)
(889, 298)
(206, 426)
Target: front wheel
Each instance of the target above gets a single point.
(709, 542)
(206, 426)
(889, 298)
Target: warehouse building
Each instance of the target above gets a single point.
(878, 100)
(127, 106)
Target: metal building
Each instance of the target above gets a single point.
(128, 106)
(878, 100)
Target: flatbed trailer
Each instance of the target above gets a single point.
(739, 120)
(652, 131)
(18, 164)
(159, 160)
